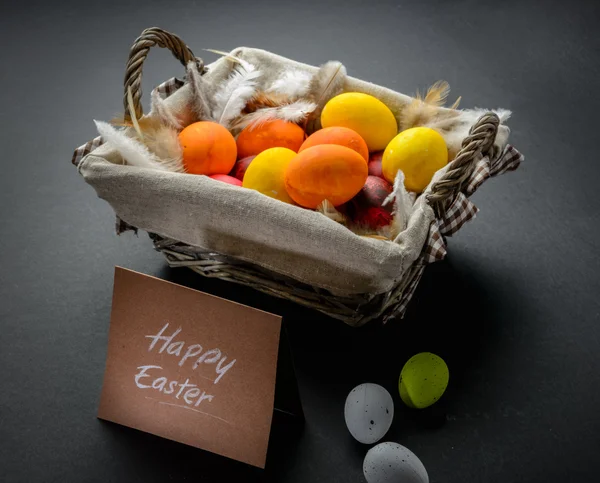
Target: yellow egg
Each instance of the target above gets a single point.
(418, 152)
(266, 173)
(365, 114)
(423, 380)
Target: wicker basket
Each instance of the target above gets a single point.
(448, 197)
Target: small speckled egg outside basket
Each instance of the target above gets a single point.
(223, 231)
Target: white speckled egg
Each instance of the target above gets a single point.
(393, 463)
(369, 412)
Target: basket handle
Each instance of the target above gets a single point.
(138, 53)
(478, 143)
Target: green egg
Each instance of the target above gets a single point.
(423, 380)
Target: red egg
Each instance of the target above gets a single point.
(227, 179)
(240, 167)
(375, 164)
(366, 207)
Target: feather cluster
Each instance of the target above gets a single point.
(231, 99)
(151, 142)
(295, 111)
(423, 111)
(296, 96)
(452, 123)
(328, 82)
(293, 84)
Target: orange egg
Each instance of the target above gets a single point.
(325, 172)
(273, 134)
(338, 135)
(208, 148)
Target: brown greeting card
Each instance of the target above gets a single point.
(190, 367)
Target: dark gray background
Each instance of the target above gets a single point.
(514, 310)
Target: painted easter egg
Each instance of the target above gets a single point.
(226, 179)
(266, 173)
(341, 136)
(208, 148)
(369, 412)
(423, 380)
(365, 114)
(393, 463)
(367, 206)
(273, 134)
(325, 172)
(418, 152)
(241, 165)
(375, 164)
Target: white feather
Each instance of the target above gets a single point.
(293, 112)
(403, 202)
(293, 84)
(134, 152)
(233, 96)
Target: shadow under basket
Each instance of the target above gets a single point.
(446, 200)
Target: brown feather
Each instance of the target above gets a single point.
(437, 93)
(160, 139)
(294, 112)
(145, 123)
(261, 101)
(424, 110)
(456, 103)
(264, 99)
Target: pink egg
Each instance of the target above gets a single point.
(226, 179)
(375, 164)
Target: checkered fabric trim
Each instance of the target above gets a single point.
(169, 87)
(435, 249)
(86, 149)
(508, 161)
(165, 90)
(461, 211)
